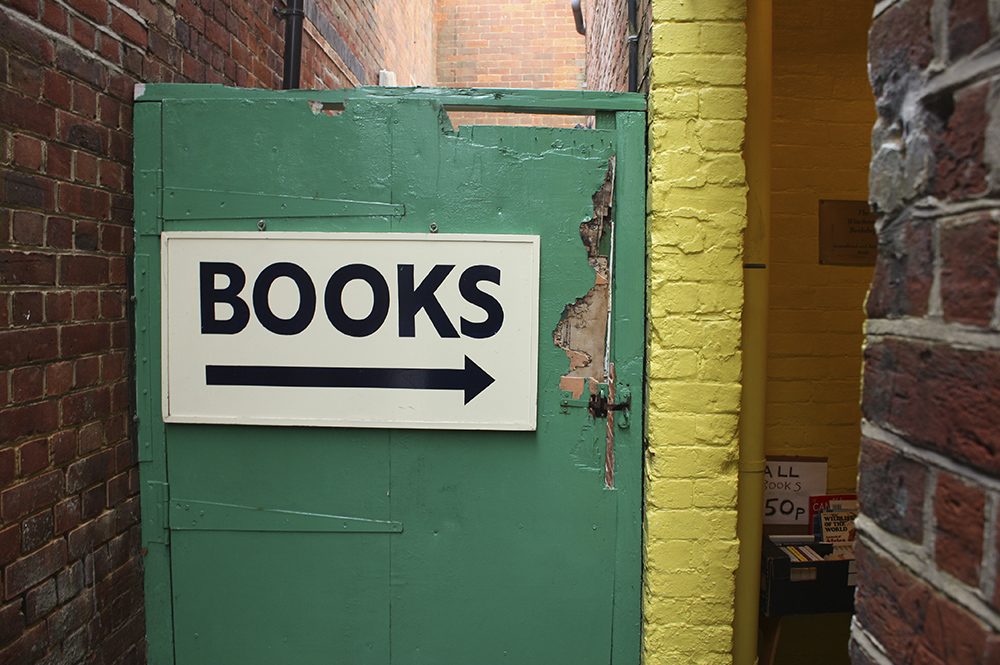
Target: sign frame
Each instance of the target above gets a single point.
(423, 407)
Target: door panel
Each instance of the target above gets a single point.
(327, 545)
(293, 595)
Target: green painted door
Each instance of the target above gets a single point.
(413, 544)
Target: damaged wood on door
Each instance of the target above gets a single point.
(583, 327)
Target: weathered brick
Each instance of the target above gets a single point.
(58, 306)
(27, 190)
(80, 270)
(21, 500)
(904, 271)
(11, 621)
(123, 457)
(890, 602)
(84, 170)
(71, 616)
(54, 16)
(66, 515)
(28, 648)
(83, 201)
(942, 398)
(86, 538)
(33, 456)
(127, 515)
(10, 544)
(63, 446)
(891, 489)
(86, 305)
(27, 268)
(87, 405)
(28, 228)
(958, 146)
(959, 513)
(90, 471)
(84, 67)
(59, 164)
(968, 27)
(90, 437)
(25, 573)
(58, 378)
(92, 502)
(952, 633)
(29, 152)
(117, 490)
(28, 114)
(36, 531)
(69, 583)
(128, 27)
(27, 384)
(85, 338)
(8, 466)
(84, 100)
(40, 601)
(55, 86)
(21, 421)
(970, 272)
(20, 37)
(26, 308)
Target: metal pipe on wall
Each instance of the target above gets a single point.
(756, 253)
(581, 25)
(293, 15)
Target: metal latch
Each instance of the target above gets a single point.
(599, 404)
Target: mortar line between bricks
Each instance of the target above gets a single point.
(990, 536)
(64, 40)
(966, 338)
(970, 70)
(872, 647)
(104, 29)
(937, 460)
(914, 558)
(931, 208)
(882, 6)
(128, 10)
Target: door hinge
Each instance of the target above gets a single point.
(156, 521)
(148, 203)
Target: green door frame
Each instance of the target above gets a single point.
(624, 113)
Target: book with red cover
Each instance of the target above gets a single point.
(822, 502)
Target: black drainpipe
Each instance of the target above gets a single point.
(293, 16)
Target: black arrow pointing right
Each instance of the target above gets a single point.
(472, 379)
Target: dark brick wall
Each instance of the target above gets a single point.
(607, 44)
(929, 476)
(70, 566)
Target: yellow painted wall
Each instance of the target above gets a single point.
(823, 113)
(697, 212)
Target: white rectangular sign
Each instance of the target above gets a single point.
(350, 329)
(788, 484)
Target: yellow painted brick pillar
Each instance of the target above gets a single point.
(697, 213)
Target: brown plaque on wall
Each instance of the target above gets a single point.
(847, 233)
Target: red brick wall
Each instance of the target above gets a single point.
(509, 44)
(607, 45)
(70, 566)
(347, 43)
(929, 475)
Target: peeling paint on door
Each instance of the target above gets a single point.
(583, 327)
